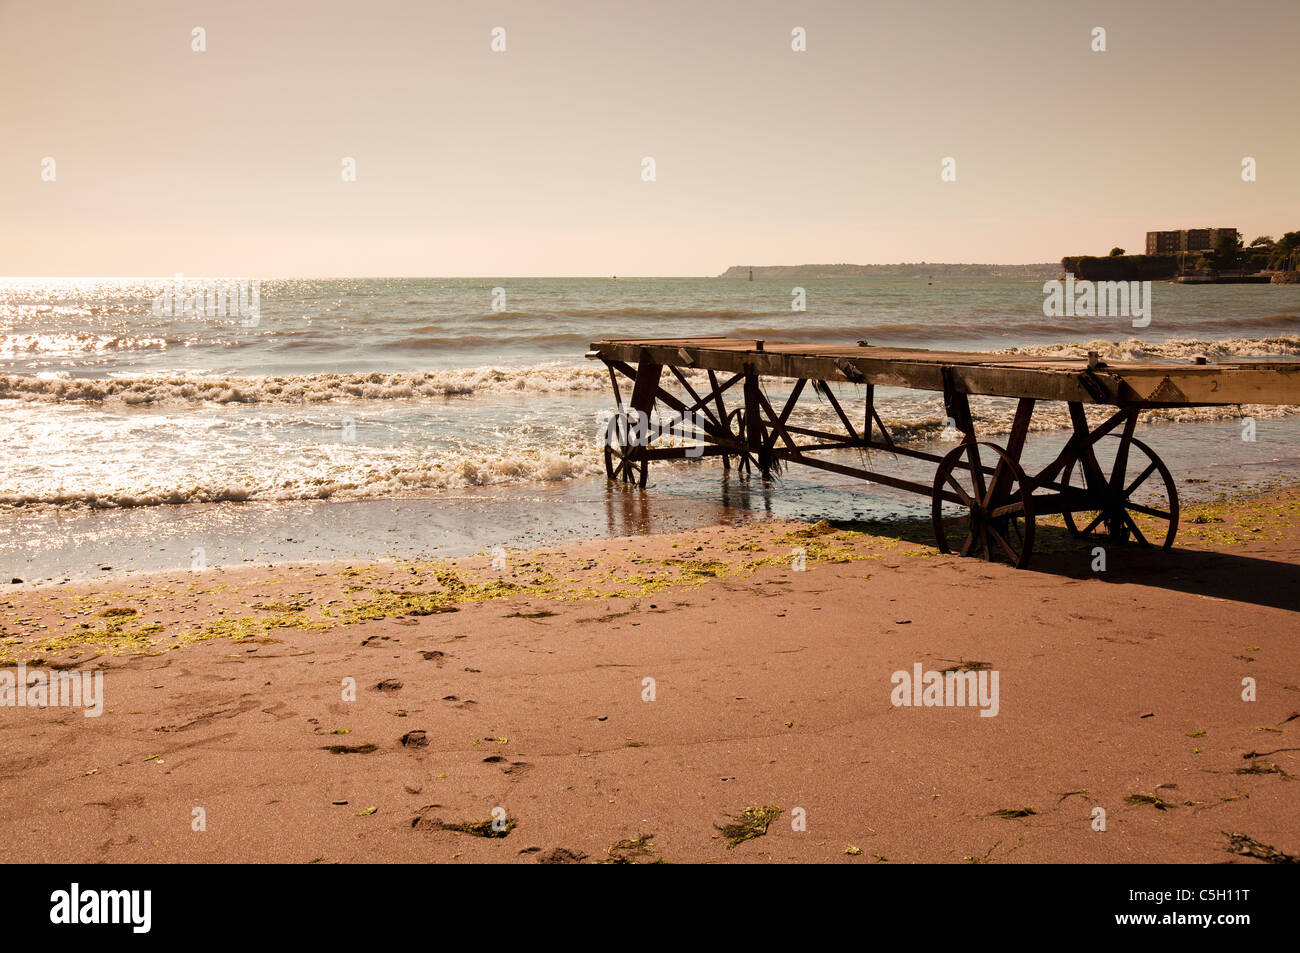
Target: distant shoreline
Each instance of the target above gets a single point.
(901, 270)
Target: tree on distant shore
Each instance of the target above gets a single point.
(1116, 252)
(1262, 240)
(1286, 252)
(1227, 250)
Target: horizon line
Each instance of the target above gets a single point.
(281, 277)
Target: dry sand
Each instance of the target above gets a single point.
(524, 690)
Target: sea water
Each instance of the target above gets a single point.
(456, 414)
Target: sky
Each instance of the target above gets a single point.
(529, 161)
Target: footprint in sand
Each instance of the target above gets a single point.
(278, 712)
(511, 767)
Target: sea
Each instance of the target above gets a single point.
(258, 421)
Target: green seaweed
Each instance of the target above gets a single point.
(750, 823)
(350, 749)
(1013, 812)
(626, 851)
(1156, 802)
(1247, 846)
(489, 828)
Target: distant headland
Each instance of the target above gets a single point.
(920, 269)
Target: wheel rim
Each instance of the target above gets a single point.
(623, 462)
(976, 513)
(1139, 505)
(735, 422)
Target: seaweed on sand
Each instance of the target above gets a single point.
(492, 827)
(1013, 812)
(1249, 847)
(626, 851)
(750, 823)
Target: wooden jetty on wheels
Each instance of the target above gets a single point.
(983, 503)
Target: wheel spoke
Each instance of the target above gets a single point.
(1005, 546)
(961, 492)
(1011, 509)
(987, 501)
(1150, 511)
(1141, 479)
(966, 546)
(1132, 524)
(1093, 525)
(977, 472)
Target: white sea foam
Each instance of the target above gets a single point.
(119, 460)
(133, 441)
(1179, 349)
(548, 378)
(306, 476)
(169, 390)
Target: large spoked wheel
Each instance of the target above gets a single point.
(981, 514)
(624, 460)
(735, 423)
(1140, 503)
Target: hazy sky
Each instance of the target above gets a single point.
(529, 161)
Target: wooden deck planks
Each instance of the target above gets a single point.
(1042, 377)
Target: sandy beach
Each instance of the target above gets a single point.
(720, 694)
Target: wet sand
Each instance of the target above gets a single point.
(523, 690)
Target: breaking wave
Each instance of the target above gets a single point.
(1178, 349)
(219, 438)
(307, 388)
(548, 378)
(307, 479)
